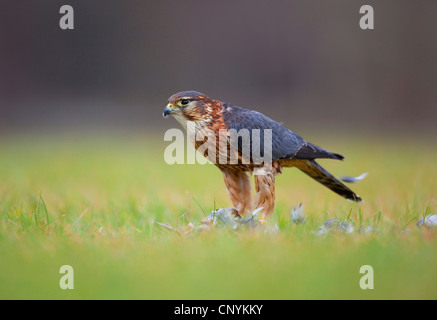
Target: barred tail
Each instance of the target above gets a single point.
(315, 171)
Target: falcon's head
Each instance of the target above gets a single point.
(189, 106)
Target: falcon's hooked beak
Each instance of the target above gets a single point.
(167, 111)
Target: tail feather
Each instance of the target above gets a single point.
(315, 171)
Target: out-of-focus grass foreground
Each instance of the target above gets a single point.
(93, 204)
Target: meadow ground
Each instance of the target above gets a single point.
(92, 203)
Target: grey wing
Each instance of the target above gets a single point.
(286, 144)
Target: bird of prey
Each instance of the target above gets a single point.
(288, 149)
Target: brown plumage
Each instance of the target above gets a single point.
(219, 120)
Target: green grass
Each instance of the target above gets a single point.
(92, 203)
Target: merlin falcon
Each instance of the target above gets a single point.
(288, 149)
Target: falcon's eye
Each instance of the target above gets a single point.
(184, 102)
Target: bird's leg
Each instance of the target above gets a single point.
(239, 190)
(265, 194)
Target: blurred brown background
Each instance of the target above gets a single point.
(305, 63)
